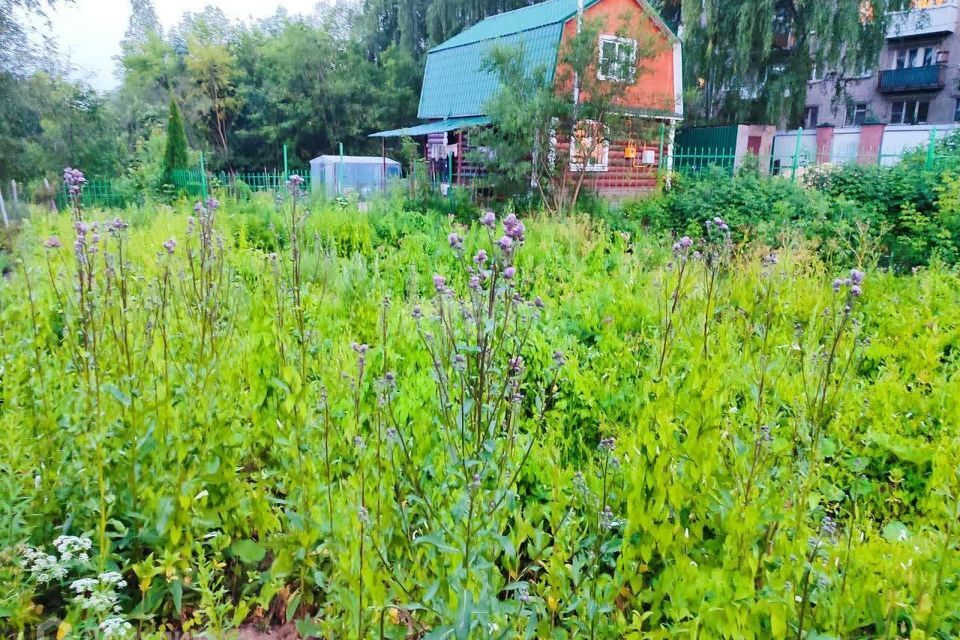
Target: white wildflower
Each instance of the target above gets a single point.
(115, 627)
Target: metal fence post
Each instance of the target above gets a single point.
(663, 128)
(931, 147)
(203, 179)
(340, 171)
(286, 168)
(796, 155)
(3, 210)
(15, 196)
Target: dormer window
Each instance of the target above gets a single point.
(618, 59)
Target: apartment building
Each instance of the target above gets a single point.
(917, 78)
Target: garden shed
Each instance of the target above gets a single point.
(341, 175)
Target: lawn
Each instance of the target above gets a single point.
(390, 424)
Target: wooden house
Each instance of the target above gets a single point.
(457, 86)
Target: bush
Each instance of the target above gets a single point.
(906, 213)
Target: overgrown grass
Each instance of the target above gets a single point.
(364, 440)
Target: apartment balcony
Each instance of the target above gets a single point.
(929, 17)
(929, 78)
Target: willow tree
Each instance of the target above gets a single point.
(751, 59)
(416, 25)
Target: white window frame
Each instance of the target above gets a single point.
(603, 148)
(850, 120)
(910, 113)
(607, 38)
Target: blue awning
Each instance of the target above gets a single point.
(440, 126)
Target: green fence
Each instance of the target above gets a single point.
(698, 159)
(191, 182)
(110, 193)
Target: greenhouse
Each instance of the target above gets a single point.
(342, 175)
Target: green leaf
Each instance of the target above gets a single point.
(293, 605)
(464, 614)
(436, 540)
(176, 592)
(248, 551)
(895, 531)
(117, 394)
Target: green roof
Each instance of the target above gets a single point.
(451, 124)
(510, 22)
(455, 82)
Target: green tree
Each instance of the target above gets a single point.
(17, 49)
(536, 120)
(748, 60)
(175, 153)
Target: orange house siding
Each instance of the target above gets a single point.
(654, 85)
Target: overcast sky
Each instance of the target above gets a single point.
(89, 31)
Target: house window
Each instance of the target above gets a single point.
(910, 112)
(618, 59)
(811, 117)
(589, 148)
(856, 114)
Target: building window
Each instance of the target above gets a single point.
(856, 114)
(589, 148)
(915, 57)
(910, 112)
(618, 59)
(811, 117)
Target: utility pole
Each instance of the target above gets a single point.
(576, 76)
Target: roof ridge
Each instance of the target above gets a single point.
(555, 5)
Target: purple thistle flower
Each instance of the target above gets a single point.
(559, 358)
(837, 285)
(295, 180)
(513, 227)
(74, 180)
(488, 219)
(538, 302)
(456, 242)
(481, 258)
(506, 244)
(828, 527)
(516, 364)
(475, 283)
(686, 242)
(857, 276)
(53, 242)
(439, 283)
(856, 291)
(417, 313)
(510, 273)
(361, 349)
(213, 204)
(608, 444)
(198, 208)
(170, 245)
